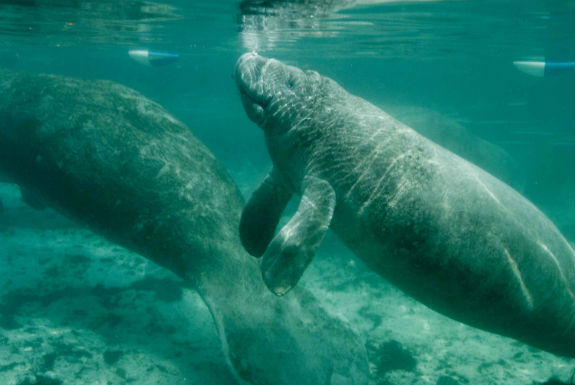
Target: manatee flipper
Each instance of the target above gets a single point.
(294, 246)
(32, 199)
(262, 213)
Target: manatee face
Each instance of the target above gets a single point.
(274, 95)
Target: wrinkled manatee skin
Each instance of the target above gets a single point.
(440, 228)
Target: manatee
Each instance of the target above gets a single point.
(107, 157)
(438, 227)
(456, 138)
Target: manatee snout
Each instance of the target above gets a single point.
(249, 82)
(250, 71)
(265, 85)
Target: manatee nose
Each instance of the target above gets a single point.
(248, 68)
(246, 57)
(250, 72)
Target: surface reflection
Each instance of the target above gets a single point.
(67, 22)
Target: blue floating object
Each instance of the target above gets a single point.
(153, 58)
(542, 68)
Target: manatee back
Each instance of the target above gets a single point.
(110, 158)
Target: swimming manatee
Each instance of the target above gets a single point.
(109, 158)
(450, 134)
(438, 227)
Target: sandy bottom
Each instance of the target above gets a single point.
(75, 309)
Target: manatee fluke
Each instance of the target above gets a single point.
(111, 159)
(438, 227)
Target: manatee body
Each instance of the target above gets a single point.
(109, 158)
(441, 229)
(448, 133)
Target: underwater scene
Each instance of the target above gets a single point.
(278, 192)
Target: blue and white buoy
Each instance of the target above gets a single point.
(543, 68)
(153, 58)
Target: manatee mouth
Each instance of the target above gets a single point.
(249, 80)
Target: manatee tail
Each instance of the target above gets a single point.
(221, 330)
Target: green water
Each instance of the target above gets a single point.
(431, 63)
(452, 57)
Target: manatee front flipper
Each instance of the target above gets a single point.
(262, 213)
(294, 246)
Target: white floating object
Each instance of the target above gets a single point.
(153, 58)
(541, 68)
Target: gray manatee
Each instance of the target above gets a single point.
(117, 162)
(438, 227)
(453, 136)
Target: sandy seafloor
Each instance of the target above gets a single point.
(75, 309)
